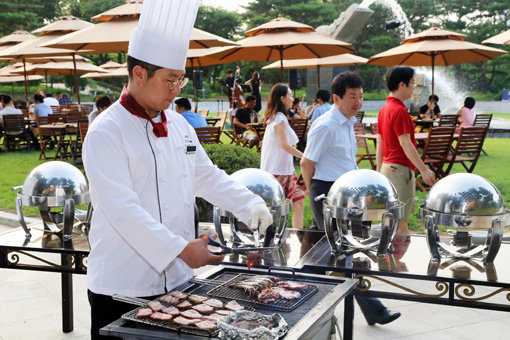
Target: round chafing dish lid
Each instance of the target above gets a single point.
(263, 184)
(465, 193)
(55, 181)
(363, 189)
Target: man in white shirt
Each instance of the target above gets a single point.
(330, 152)
(8, 108)
(50, 101)
(145, 166)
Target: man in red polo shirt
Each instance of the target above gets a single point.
(397, 157)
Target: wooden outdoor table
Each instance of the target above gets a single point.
(211, 120)
(59, 132)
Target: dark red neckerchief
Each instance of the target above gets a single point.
(129, 102)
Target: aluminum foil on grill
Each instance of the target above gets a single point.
(247, 325)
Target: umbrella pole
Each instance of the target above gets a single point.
(46, 79)
(26, 82)
(194, 88)
(318, 77)
(433, 57)
(76, 80)
(281, 63)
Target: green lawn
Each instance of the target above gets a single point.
(14, 167)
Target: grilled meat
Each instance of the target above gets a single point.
(234, 306)
(206, 325)
(293, 285)
(170, 299)
(197, 298)
(178, 294)
(184, 305)
(191, 314)
(161, 316)
(214, 303)
(203, 308)
(171, 310)
(185, 322)
(156, 306)
(143, 313)
(267, 295)
(273, 293)
(213, 317)
(223, 312)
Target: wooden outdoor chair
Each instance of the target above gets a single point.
(435, 152)
(468, 148)
(373, 130)
(56, 108)
(209, 134)
(241, 141)
(483, 120)
(300, 127)
(16, 135)
(222, 115)
(361, 143)
(76, 147)
(448, 120)
(359, 117)
(204, 112)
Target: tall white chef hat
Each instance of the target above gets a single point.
(163, 32)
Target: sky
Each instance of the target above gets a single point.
(233, 5)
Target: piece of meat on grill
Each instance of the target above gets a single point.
(223, 312)
(170, 299)
(197, 298)
(293, 285)
(178, 294)
(161, 316)
(184, 305)
(203, 308)
(171, 310)
(273, 293)
(143, 313)
(206, 325)
(191, 314)
(213, 317)
(155, 306)
(234, 306)
(214, 303)
(185, 322)
(267, 295)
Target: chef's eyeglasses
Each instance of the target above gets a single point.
(180, 82)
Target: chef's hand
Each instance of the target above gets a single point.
(260, 217)
(196, 254)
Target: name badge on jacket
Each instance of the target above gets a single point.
(190, 149)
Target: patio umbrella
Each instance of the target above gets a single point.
(7, 77)
(346, 59)
(59, 69)
(111, 73)
(15, 37)
(31, 48)
(433, 47)
(282, 39)
(500, 39)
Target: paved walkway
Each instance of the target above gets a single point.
(30, 308)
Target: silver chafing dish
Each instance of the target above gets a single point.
(55, 188)
(266, 186)
(472, 205)
(359, 196)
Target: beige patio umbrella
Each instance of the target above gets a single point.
(500, 39)
(31, 48)
(435, 47)
(346, 59)
(59, 69)
(111, 73)
(282, 39)
(7, 77)
(15, 37)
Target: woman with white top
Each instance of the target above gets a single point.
(278, 151)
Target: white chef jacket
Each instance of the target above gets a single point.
(132, 253)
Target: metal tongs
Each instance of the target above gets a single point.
(228, 250)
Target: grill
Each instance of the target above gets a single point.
(224, 291)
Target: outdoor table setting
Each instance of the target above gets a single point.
(211, 120)
(60, 131)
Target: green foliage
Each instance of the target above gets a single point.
(86, 9)
(208, 19)
(26, 14)
(71, 84)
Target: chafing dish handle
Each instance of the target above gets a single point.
(283, 269)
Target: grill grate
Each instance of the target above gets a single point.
(224, 291)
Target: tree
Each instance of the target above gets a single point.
(218, 21)
(26, 14)
(86, 9)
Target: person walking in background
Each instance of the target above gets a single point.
(102, 103)
(183, 106)
(322, 106)
(397, 157)
(466, 114)
(278, 151)
(331, 152)
(254, 81)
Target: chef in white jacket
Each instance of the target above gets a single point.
(145, 166)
